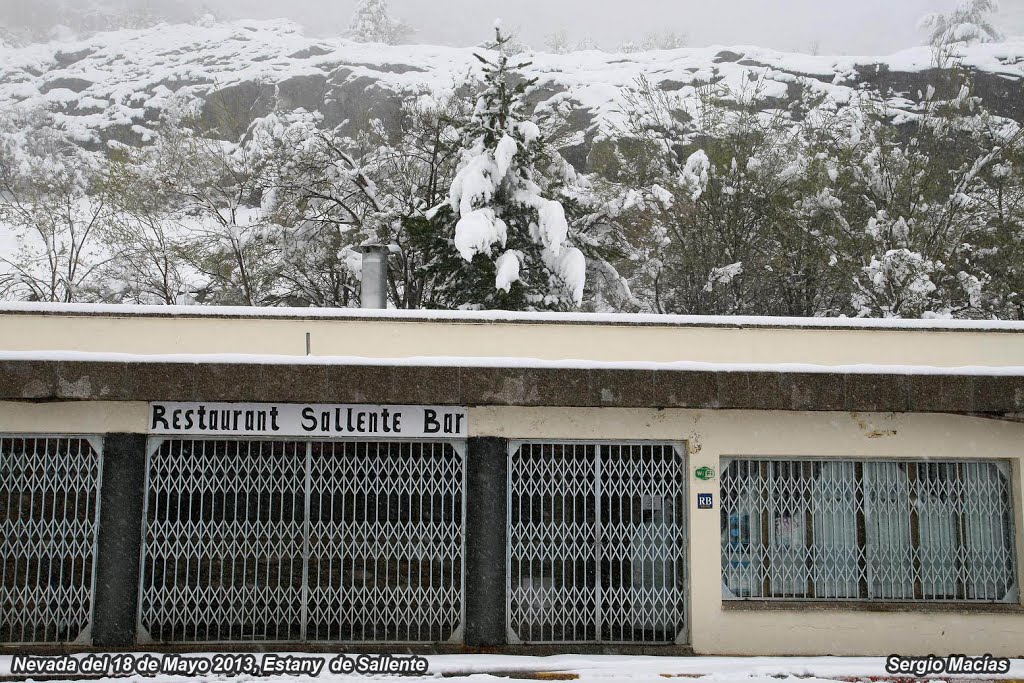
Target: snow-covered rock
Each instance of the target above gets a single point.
(114, 85)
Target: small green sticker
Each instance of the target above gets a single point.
(705, 473)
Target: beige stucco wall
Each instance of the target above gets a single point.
(397, 338)
(708, 436)
(711, 435)
(73, 417)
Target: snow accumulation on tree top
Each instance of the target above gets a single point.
(497, 194)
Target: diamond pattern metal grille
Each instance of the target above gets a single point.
(300, 541)
(386, 530)
(596, 543)
(885, 530)
(48, 507)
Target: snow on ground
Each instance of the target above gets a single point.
(636, 669)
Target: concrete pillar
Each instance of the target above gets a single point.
(486, 534)
(119, 544)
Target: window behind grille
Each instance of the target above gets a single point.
(880, 530)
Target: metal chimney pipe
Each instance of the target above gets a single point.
(373, 285)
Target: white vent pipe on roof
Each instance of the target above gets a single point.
(373, 284)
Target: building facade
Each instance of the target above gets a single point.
(205, 478)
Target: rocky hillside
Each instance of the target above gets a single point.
(114, 85)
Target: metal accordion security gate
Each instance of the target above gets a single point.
(303, 541)
(596, 543)
(49, 507)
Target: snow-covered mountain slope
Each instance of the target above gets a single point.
(114, 85)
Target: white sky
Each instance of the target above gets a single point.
(837, 26)
(870, 27)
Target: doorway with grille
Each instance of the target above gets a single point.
(348, 541)
(49, 507)
(596, 543)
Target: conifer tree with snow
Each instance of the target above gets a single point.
(372, 23)
(507, 243)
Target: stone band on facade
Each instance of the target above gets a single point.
(35, 380)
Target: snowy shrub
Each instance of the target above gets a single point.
(832, 207)
(896, 284)
(55, 199)
(372, 23)
(969, 22)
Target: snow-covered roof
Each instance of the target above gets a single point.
(132, 353)
(646, 319)
(499, 362)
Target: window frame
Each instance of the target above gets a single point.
(866, 592)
